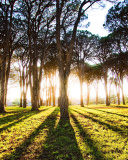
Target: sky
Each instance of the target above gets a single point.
(96, 17)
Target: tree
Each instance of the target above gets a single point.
(104, 52)
(83, 51)
(50, 68)
(8, 34)
(37, 16)
(119, 69)
(117, 18)
(68, 14)
(116, 22)
(97, 74)
(22, 58)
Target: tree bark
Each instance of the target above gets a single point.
(110, 93)
(88, 93)
(54, 96)
(21, 93)
(63, 98)
(118, 94)
(81, 93)
(2, 81)
(106, 89)
(35, 88)
(122, 88)
(97, 92)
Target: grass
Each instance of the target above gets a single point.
(92, 133)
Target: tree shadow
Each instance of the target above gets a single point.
(61, 143)
(97, 154)
(21, 150)
(120, 131)
(19, 118)
(120, 107)
(111, 113)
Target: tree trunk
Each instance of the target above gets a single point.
(21, 99)
(2, 83)
(54, 96)
(46, 90)
(7, 75)
(81, 93)
(20, 89)
(2, 108)
(5, 94)
(41, 101)
(110, 94)
(35, 87)
(24, 100)
(118, 94)
(106, 90)
(88, 93)
(24, 93)
(63, 98)
(50, 96)
(97, 93)
(123, 99)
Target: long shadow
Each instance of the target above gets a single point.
(120, 131)
(97, 154)
(18, 115)
(111, 113)
(120, 107)
(20, 119)
(97, 115)
(61, 143)
(11, 118)
(21, 150)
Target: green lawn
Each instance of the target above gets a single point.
(93, 132)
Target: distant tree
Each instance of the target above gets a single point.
(119, 68)
(88, 79)
(50, 69)
(116, 22)
(104, 53)
(97, 75)
(83, 51)
(22, 58)
(37, 16)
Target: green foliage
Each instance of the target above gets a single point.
(117, 17)
(16, 102)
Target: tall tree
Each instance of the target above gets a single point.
(38, 16)
(97, 75)
(116, 22)
(8, 34)
(50, 68)
(22, 58)
(83, 51)
(104, 53)
(68, 13)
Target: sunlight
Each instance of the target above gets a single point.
(73, 90)
(13, 93)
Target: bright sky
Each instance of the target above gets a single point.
(96, 17)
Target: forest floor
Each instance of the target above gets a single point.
(94, 132)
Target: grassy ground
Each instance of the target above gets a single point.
(92, 133)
